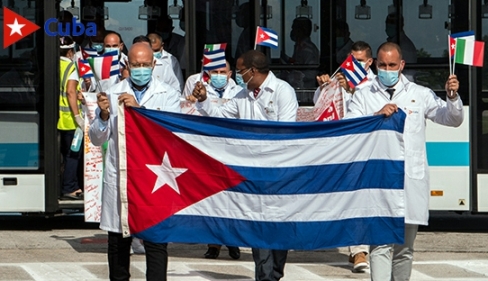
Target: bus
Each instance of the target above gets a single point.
(30, 160)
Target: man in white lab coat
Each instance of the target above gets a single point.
(219, 85)
(362, 52)
(264, 97)
(140, 90)
(167, 59)
(389, 92)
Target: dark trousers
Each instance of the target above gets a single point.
(270, 264)
(119, 258)
(71, 161)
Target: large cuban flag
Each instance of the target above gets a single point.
(262, 184)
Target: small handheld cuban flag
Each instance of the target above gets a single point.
(266, 37)
(84, 69)
(213, 56)
(353, 71)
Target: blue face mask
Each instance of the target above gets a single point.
(218, 81)
(388, 77)
(240, 79)
(141, 75)
(158, 55)
(112, 50)
(97, 46)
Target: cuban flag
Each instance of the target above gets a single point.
(266, 37)
(87, 53)
(353, 71)
(84, 69)
(263, 184)
(467, 35)
(105, 66)
(213, 59)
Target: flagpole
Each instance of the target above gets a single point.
(335, 72)
(256, 37)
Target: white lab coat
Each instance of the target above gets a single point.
(276, 101)
(163, 72)
(159, 96)
(346, 95)
(230, 90)
(419, 103)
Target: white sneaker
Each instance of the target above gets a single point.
(137, 247)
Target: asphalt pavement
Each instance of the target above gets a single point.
(68, 249)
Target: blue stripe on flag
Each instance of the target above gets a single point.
(270, 130)
(270, 31)
(458, 153)
(462, 34)
(269, 43)
(291, 180)
(308, 235)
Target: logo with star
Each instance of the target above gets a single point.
(16, 27)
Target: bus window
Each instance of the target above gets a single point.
(20, 96)
(124, 19)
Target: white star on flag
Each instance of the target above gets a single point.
(82, 68)
(453, 46)
(347, 64)
(15, 27)
(166, 174)
(262, 35)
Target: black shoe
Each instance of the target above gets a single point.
(234, 252)
(212, 253)
(69, 196)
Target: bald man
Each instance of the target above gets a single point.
(139, 90)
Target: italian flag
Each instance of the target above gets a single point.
(214, 47)
(469, 52)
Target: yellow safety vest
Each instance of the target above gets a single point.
(66, 119)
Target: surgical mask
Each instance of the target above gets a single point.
(240, 81)
(388, 77)
(97, 46)
(340, 42)
(109, 49)
(141, 75)
(158, 55)
(390, 30)
(218, 81)
(363, 64)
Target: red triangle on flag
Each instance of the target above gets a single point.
(197, 175)
(261, 36)
(206, 60)
(348, 63)
(83, 68)
(15, 27)
(452, 46)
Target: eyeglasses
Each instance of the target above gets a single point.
(136, 65)
(240, 71)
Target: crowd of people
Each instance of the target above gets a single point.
(150, 77)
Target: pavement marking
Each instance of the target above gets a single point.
(215, 270)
